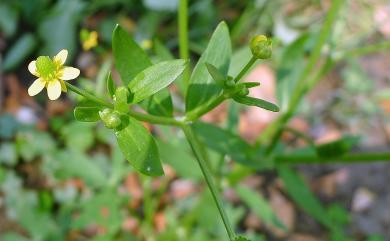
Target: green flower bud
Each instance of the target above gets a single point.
(261, 47)
(244, 91)
(229, 82)
(110, 118)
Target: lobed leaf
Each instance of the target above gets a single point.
(139, 148)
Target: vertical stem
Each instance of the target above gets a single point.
(183, 36)
(197, 149)
(245, 69)
(301, 87)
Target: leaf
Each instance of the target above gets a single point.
(289, 68)
(130, 58)
(8, 18)
(241, 238)
(86, 114)
(110, 85)
(336, 148)
(58, 28)
(251, 84)
(226, 142)
(160, 104)
(216, 74)
(140, 148)
(78, 135)
(303, 197)
(19, 51)
(202, 87)
(259, 206)
(121, 98)
(155, 78)
(182, 161)
(161, 51)
(246, 100)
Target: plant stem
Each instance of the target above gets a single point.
(137, 115)
(198, 112)
(348, 158)
(275, 131)
(88, 95)
(355, 52)
(197, 149)
(183, 37)
(245, 69)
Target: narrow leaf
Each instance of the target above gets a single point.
(226, 143)
(139, 148)
(246, 100)
(259, 206)
(202, 87)
(155, 78)
(86, 114)
(300, 193)
(110, 85)
(130, 58)
(251, 84)
(336, 148)
(216, 74)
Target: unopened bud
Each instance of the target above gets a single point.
(261, 47)
(110, 118)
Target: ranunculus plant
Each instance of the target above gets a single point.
(143, 96)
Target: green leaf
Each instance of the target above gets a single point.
(160, 104)
(241, 238)
(155, 78)
(121, 98)
(86, 113)
(8, 18)
(78, 135)
(202, 87)
(130, 58)
(246, 100)
(216, 74)
(140, 148)
(58, 28)
(336, 148)
(161, 51)
(226, 142)
(260, 206)
(19, 51)
(110, 85)
(300, 193)
(289, 68)
(251, 84)
(182, 161)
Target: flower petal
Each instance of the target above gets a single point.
(36, 87)
(61, 56)
(32, 67)
(54, 89)
(70, 73)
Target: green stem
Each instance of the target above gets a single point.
(137, 115)
(88, 95)
(183, 36)
(348, 158)
(301, 87)
(385, 45)
(198, 112)
(245, 69)
(197, 149)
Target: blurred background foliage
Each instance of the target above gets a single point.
(65, 180)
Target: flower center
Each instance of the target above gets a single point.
(46, 68)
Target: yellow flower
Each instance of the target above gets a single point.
(89, 39)
(51, 74)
